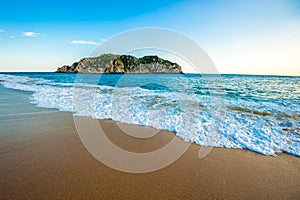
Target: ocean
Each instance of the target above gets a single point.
(254, 112)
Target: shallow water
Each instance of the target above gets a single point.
(259, 113)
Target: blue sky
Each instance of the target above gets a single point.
(241, 36)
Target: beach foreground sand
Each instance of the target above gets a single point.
(42, 157)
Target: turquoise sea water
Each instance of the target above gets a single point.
(259, 113)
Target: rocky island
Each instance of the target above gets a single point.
(119, 64)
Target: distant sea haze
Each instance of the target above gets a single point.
(259, 113)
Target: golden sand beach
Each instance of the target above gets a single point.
(42, 157)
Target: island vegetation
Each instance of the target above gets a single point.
(111, 63)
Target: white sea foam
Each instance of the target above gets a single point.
(190, 116)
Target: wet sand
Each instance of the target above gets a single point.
(42, 157)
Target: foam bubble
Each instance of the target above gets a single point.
(244, 123)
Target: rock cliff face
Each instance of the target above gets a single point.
(110, 63)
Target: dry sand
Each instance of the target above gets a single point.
(42, 157)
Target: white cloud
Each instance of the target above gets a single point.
(12, 37)
(84, 42)
(30, 34)
(1, 30)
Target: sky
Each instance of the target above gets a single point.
(240, 36)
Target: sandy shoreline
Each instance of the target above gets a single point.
(42, 156)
